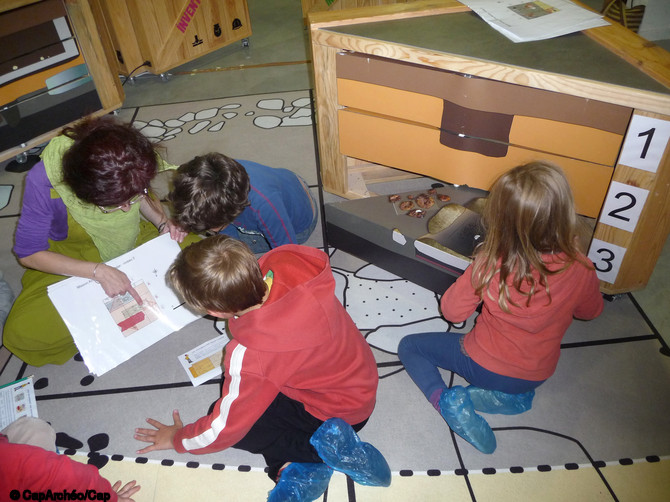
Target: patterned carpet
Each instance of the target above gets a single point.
(604, 411)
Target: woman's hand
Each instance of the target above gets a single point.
(114, 282)
(125, 492)
(162, 436)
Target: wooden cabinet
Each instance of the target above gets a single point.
(54, 70)
(168, 33)
(428, 88)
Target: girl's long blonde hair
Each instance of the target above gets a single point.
(530, 211)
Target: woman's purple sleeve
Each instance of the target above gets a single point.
(42, 218)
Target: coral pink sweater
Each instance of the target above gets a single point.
(526, 342)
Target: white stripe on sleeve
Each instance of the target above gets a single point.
(208, 436)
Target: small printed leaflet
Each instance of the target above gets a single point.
(203, 362)
(17, 399)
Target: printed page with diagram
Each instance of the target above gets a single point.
(109, 331)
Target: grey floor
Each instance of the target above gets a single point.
(280, 36)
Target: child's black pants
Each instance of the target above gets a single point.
(282, 435)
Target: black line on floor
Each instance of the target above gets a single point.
(134, 115)
(389, 363)
(665, 348)
(399, 370)
(609, 341)
(346, 284)
(120, 390)
(596, 465)
(351, 490)
(4, 366)
(410, 323)
(463, 471)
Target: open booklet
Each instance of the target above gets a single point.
(17, 399)
(535, 20)
(109, 331)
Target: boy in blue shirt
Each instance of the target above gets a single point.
(262, 206)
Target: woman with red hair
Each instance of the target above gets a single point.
(81, 207)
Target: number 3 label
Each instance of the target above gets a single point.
(607, 258)
(623, 206)
(645, 143)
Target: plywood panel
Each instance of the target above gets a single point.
(542, 134)
(414, 148)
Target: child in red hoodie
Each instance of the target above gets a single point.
(531, 279)
(299, 378)
(30, 468)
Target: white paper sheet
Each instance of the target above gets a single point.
(109, 331)
(535, 20)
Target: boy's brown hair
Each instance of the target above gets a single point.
(209, 192)
(218, 274)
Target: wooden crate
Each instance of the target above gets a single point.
(168, 33)
(375, 124)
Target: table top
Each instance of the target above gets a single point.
(466, 34)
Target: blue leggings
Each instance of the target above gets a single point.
(422, 354)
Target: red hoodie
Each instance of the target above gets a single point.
(300, 342)
(526, 342)
(33, 470)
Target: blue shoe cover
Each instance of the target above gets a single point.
(339, 446)
(301, 482)
(494, 401)
(457, 409)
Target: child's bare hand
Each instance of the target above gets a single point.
(128, 490)
(176, 232)
(161, 437)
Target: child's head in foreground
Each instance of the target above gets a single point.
(530, 212)
(218, 275)
(209, 192)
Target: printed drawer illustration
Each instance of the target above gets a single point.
(468, 130)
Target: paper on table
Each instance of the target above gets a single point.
(109, 331)
(535, 20)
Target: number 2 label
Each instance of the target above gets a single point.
(623, 206)
(607, 258)
(645, 143)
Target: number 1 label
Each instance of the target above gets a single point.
(645, 143)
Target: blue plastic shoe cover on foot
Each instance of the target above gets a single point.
(457, 409)
(339, 446)
(301, 482)
(494, 401)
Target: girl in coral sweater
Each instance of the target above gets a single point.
(531, 279)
